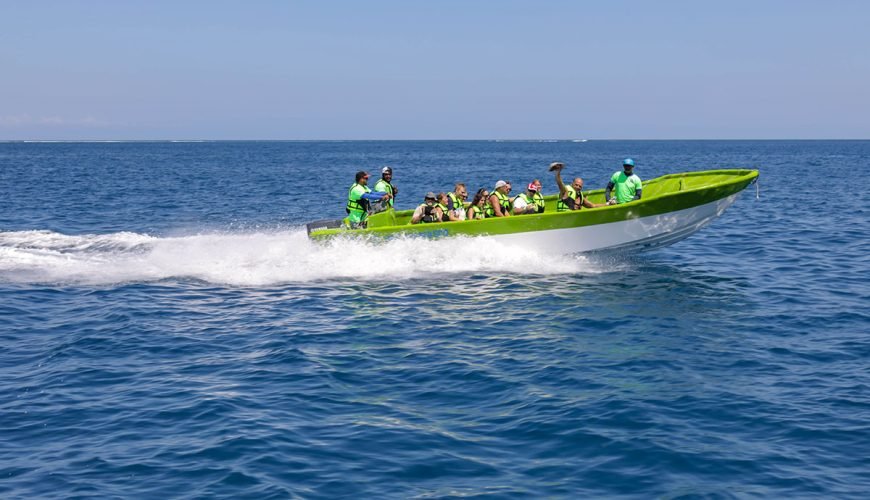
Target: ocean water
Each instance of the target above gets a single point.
(167, 330)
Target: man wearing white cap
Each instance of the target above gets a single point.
(499, 202)
(627, 183)
(385, 185)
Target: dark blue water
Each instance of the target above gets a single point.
(166, 330)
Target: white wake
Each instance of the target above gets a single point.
(257, 258)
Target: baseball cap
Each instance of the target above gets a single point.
(532, 187)
(430, 195)
(628, 161)
(386, 170)
(500, 184)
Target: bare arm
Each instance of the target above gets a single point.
(562, 191)
(496, 206)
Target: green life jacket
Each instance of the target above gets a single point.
(357, 206)
(385, 187)
(538, 198)
(443, 207)
(563, 206)
(478, 212)
(457, 205)
(528, 199)
(503, 201)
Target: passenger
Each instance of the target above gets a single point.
(539, 197)
(499, 202)
(477, 209)
(628, 185)
(442, 204)
(385, 185)
(428, 211)
(570, 197)
(525, 202)
(456, 202)
(359, 199)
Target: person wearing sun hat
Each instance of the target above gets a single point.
(359, 200)
(627, 184)
(428, 211)
(524, 203)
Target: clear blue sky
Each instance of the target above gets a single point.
(434, 69)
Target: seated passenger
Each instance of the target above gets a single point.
(456, 202)
(570, 197)
(442, 204)
(477, 209)
(525, 202)
(428, 211)
(499, 202)
(539, 197)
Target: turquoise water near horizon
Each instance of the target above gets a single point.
(168, 330)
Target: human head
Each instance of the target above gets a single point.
(577, 184)
(442, 198)
(362, 177)
(502, 187)
(481, 195)
(387, 173)
(460, 191)
(537, 182)
(628, 165)
(430, 198)
(532, 187)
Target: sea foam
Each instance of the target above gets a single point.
(258, 258)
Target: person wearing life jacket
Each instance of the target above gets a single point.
(456, 202)
(385, 185)
(359, 199)
(428, 211)
(499, 201)
(477, 209)
(571, 197)
(442, 201)
(524, 203)
(628, 185)
(538, 198)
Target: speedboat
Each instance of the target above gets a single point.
(672, 207)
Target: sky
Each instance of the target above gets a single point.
(437, 69)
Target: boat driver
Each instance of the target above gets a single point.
(627, 183)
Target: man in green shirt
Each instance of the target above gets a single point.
(628, 185)
(359, 200)
(384, 185)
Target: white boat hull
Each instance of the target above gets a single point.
(642, 233)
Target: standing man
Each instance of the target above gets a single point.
(627, 183)
(359, 199)
(384, 185)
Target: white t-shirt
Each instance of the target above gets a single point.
(520, 203)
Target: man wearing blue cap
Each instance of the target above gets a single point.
(628, 185)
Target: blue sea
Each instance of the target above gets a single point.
(168, 331)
